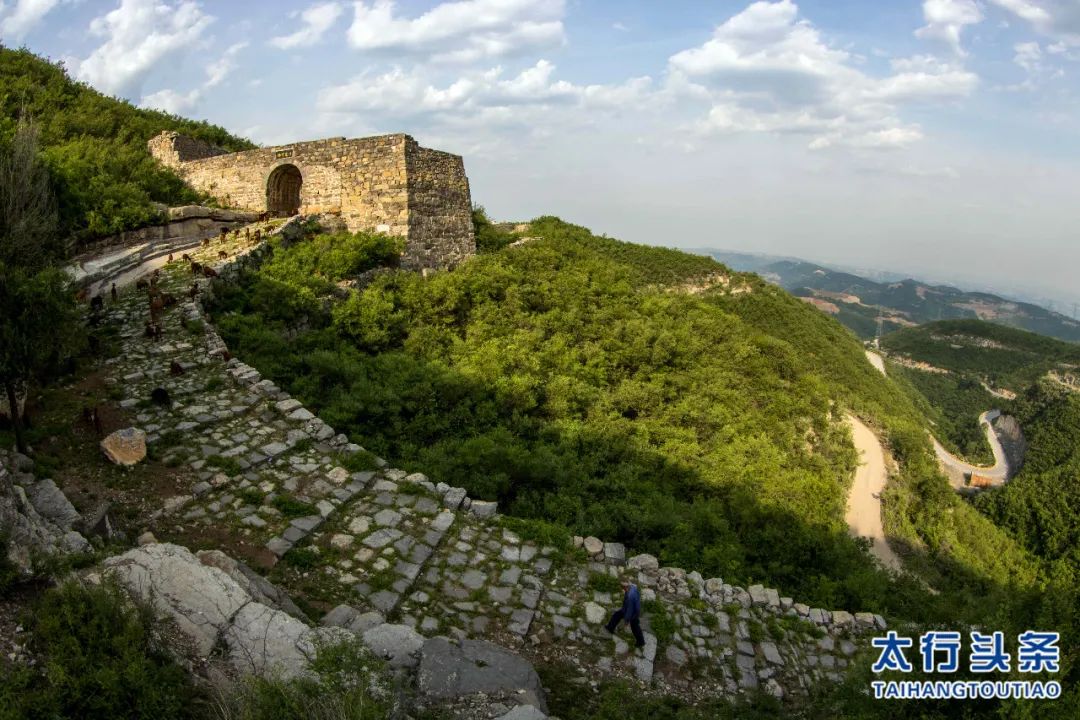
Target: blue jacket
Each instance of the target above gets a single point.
(631, 603)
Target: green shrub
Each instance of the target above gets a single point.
(9, 573)
(251, 495)
(602, 582)
(303, 558)
(348, 685)
(290, 507)
(104, 659)
(229, 466)
(541, 532)
(362, 461)
(663, 625)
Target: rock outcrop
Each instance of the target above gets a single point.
(449, 670)
(36, 517)
(210, 607)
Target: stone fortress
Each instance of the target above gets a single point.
(384, 184)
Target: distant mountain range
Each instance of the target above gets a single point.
(858, 301)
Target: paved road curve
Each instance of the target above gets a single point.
(998, 473)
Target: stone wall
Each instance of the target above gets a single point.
(440, 209)
(379, 184)
(173, 149)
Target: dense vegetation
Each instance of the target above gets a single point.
(1041, 505)
(1003, 356)
(953, 403)
(95, 146)
(570, 379)
(104, 659)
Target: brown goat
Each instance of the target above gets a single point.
(209, 272)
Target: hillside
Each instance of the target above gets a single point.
(95, 146)
(636, 393)
(1002, 357)
(857, 301)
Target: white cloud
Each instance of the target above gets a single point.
(946, 19)
(218, 70)
(459, 31)
(171, 101)
(766, 70)
(139, 36)
(486, 94)
(1059, 19)
(23, 17)
(317, 20)
(1028, 56)
(179, 103)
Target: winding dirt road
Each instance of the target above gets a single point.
(864, 499)
(955, 468)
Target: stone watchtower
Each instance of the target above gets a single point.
(385, 184)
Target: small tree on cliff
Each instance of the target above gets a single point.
(38, 319)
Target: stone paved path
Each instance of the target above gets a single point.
(271, 475)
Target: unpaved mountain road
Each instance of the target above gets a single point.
(864, 499)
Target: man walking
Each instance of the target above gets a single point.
(630, 612)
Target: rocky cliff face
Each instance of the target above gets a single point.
(35, 516)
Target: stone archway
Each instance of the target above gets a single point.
(283, 191)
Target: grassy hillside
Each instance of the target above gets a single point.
(1004, 357)
(595, 384)
(95, 146)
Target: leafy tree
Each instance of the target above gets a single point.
(95, 146)
(38, 319)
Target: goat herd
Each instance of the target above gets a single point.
(159, 301)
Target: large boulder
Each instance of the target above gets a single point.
(449, 670)
(270, 643)
(125, 447)
(51, 503)
(199, 598)
(397, 644)
(211, 607)
(259, 588)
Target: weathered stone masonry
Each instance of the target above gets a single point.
(385, 184)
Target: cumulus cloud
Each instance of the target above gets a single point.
(218, 70)
(459, 31)
(171, 101)
(946, 19)
(1028, 56)
(179, 103)
(1055, 18)
(767, 70)
(316, 20)
(139, 36)
(409, 93)
(21, 18)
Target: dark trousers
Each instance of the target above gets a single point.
(635, 626)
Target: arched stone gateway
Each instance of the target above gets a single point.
(385, 184)
(283, 191)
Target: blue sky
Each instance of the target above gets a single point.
(936, 137)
